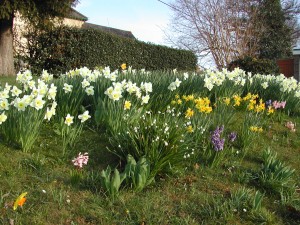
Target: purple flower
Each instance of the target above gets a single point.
(216, 140)
(232, 136)
(268, 103)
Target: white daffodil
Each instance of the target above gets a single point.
(185, 76)
(147, 87)
(38, 103)
(177, 82)
(69, 120)
(85, 83)
(52, 92)
(20, 104)
(48, 114)
(4, 94)
(46, 76)
(89, 90)
(145, 99)
(264, 85)
(172, 86)
(115, 95)
(4, 104)
(15, 91)
(67, 88)
(85, 116)
(109, 91)
(3, 118)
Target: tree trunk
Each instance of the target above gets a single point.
(6, 47)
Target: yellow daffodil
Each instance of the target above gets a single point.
(190, 129)
(226, 101)
(270, 110)
(123, 66)
(256, 129)
(127, 105)
(189, 113)
(20, 200)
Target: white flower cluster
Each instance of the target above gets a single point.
(115, 92)
(217, 78)
(174, 85)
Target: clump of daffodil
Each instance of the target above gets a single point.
(20, 201)
(189, 113)
(188, 97)
(237, 100)
(203, 105)
(260, 107)
(127, 105)
(256, 129)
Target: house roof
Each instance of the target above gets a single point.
(122, 33)
(73, 14)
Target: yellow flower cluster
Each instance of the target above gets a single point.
(203, 105)
(237, 100)
(256, 107)
(188, 97)
(254, 103)
(256, 129)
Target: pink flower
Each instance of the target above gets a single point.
(290, 125)
(278, 105)
(82, 159)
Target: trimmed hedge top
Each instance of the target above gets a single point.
(64, 48)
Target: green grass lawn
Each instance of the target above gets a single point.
(194, 195)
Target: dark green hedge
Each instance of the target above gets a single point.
(254, 65)
(64, 48)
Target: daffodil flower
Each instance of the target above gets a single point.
(20, 200)
(69, 120)
(85, 116)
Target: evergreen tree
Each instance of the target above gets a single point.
(276, 36)
(35, 11)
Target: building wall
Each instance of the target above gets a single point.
(296, 67)
(19, 29)
(286, 67)
(73, 22)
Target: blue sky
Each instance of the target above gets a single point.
(146, 19)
